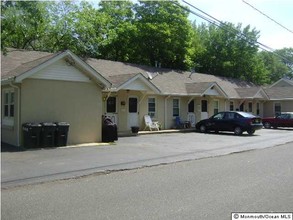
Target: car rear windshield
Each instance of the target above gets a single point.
(246, 115)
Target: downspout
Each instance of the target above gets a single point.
(18, 112)
(166, 112)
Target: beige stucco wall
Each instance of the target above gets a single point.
(163, 114)
(78, 103)
(9, 133)
(269, 107)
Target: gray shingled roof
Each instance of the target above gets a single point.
(197, 88)
(168, 81)
(247, 92)
(118, 80)
(17, 61)
(279, 93)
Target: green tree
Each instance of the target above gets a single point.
(118, 31)
(274, 65)
(230, 51)
(23, 24)
(61, 34)
(164, 34)
(287, 54)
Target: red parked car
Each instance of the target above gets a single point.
(285, 119)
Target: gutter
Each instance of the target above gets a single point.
(18, 111)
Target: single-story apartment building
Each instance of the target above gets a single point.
(38, 86)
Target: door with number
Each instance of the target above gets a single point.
(132, 112)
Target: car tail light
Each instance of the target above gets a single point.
(254, 121)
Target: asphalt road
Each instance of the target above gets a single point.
(35, 166)
(210, 188)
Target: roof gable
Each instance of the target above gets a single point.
(61, 70)
(282, 83)
(35, 65)
(252, 93)
(133, 82)
(205, 88)
(280, 93)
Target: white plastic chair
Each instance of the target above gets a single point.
(150, 124)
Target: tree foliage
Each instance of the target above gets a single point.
(148, 32)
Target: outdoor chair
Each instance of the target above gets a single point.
(150, 124)
(179, 124)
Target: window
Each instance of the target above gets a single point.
(152, 107)
(9, 104)
(277, 108)
(8, 107)
(191, 106)
(250, 107)
(175, 107)
(216, 106)
(132, 105)
(219, 116)
(229, 115)
(111, 105)
(204, 105)
(231, 106)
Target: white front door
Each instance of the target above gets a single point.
(191, 119)
(132, 112)
(204, 109)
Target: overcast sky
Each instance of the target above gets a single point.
(236, 11)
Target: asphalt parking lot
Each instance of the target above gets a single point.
(39, 165)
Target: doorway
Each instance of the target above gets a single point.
(132, 112)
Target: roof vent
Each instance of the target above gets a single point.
(150, 76)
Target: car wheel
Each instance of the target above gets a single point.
(251, 132)
(203, 129)
(267, 125)
(238, 130)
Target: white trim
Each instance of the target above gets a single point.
(173, 106)
(155, 113)
(219, 90)
(284, 99)
(218, 105)
(8, 120)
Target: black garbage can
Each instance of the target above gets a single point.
(109, 130)
(48, 134)
(32, 135)
(61, 134)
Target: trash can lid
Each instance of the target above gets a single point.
(48, 124)
(31, 124)
(62, 123)
(35, 125)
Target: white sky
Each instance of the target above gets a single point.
(236, 11)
